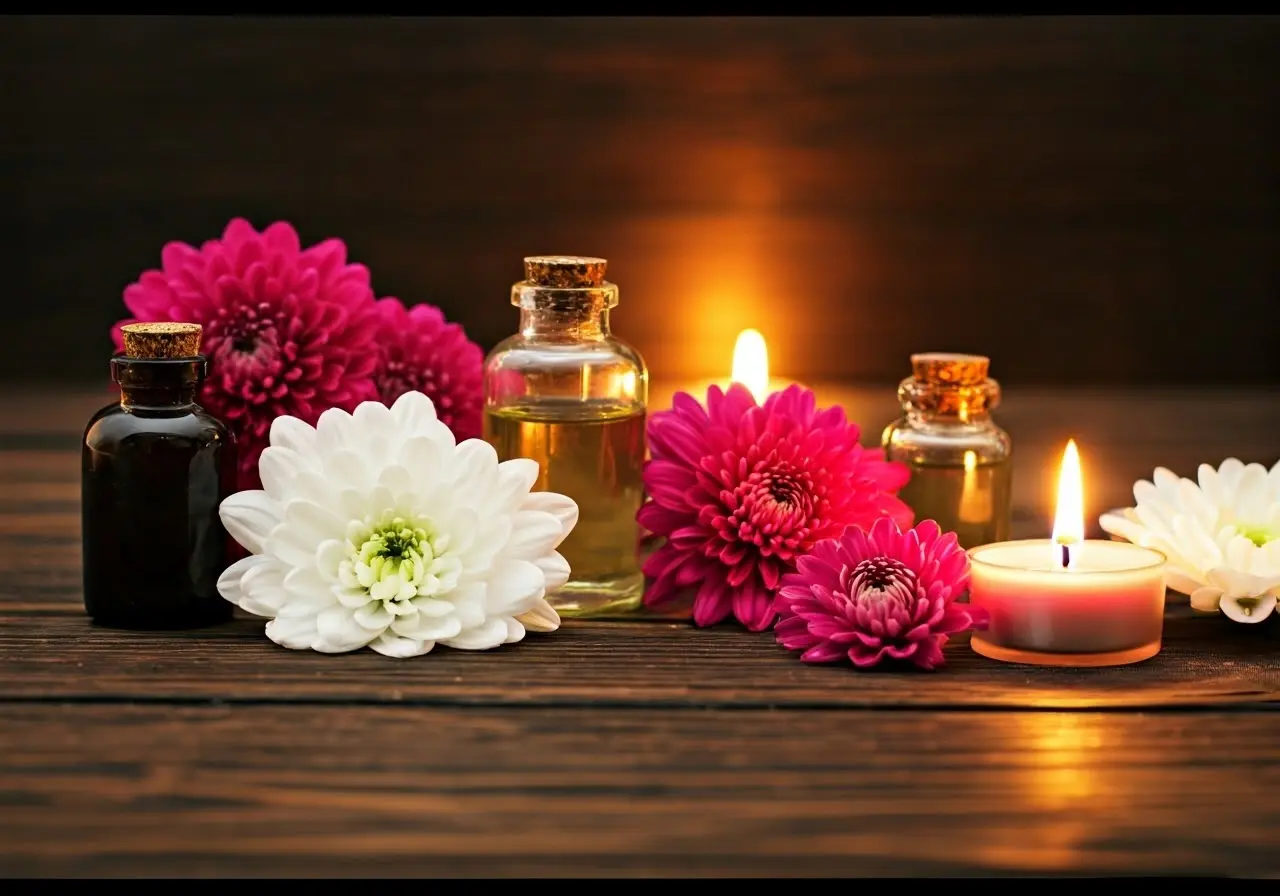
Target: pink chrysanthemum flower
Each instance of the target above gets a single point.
(876, 595)
(740, 491)
(287, 330)
(420, 352)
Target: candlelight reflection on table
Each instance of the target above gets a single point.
(1067, 601)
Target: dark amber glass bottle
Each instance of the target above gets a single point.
(154, 468)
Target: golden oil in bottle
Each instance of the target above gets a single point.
(567, 393)
(594, 455)
(962, 499)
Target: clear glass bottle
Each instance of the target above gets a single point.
(571, 395)
(154, 468)
(960, 460)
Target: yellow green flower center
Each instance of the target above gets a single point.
(398, 559)
(1259, 535)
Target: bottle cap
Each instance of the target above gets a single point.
(157, 341)
(950, 369)
(564, 271)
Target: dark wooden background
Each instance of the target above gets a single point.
(1089, 200)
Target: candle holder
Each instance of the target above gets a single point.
(1106, 608)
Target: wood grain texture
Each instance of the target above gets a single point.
(295, 791)
(44, 655)
(1061, 192)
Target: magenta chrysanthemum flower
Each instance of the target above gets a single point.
(876, 595)
(287, 330)
(420, 352)
(740, 491)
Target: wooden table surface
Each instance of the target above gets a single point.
(643, 748)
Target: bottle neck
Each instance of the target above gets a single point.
(551, 325)
(554, 314)
(937, 404)
(924, 417)
(166, 385)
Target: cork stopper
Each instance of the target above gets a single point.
(161, 340)
(950, 385)
(564, 271)
(949, 369)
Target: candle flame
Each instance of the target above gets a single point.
(1068, 523)
(751, 363)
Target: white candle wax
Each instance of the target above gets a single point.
(1106, 608)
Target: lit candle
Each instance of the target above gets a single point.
(750, 368)
(1065, 601)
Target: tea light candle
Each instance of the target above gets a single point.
(1066, 601)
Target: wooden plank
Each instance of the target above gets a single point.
(1206, 661)
(1060, 191)
(292, 791)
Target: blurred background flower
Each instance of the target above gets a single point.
(296, 331)
(419, 351)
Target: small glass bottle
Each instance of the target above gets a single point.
(569, 394)
(154, 468)
(960, 461)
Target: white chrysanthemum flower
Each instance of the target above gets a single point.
(376, 529)
(1221, 537)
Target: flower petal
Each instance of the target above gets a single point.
(294, 632)
(249, 517)
(309, 525)
(541, 618)
(329, 556)
(534, 533)
(562, 507)
(373, 616)
(469, 604)
(483, 637)
(513, 587)
(520, 473)
(1206, 599)
(339, 632)
(1248, 609)
(292, 433)
(475, 461)
(1239, 583)
(263, 589)
(277, 468)
(431, 606)
(555, 569)
(420, 627)
(372, 429)
(426, 460)
(348, 469)
(400, 648)
(413, 413)
(333, 433)
(229, 583)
